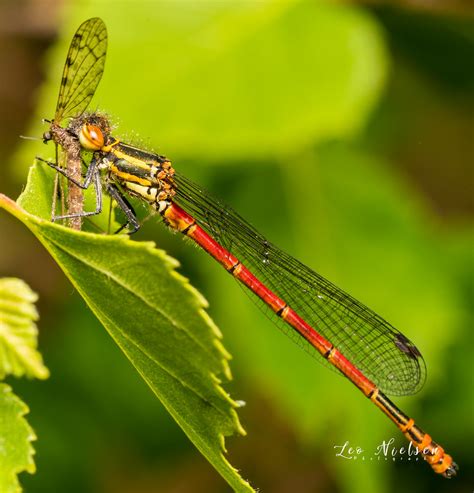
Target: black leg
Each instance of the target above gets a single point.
(98, 198)
(126, 207)
(63, 171)
(92, 173)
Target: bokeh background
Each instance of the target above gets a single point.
(344, 132)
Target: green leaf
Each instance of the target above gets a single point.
(263, 80)
(18, 331)
(155, 316)
(16, 435)
(246, 79)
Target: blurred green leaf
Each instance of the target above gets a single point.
(156, 318)
(16, 452)
(18, 331)
(260, 80)
(231, 80)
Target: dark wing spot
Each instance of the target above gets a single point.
(406, 346)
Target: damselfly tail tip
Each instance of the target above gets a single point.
(451, 471)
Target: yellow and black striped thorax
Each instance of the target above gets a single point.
(143, 174)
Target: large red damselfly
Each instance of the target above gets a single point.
(326, 321)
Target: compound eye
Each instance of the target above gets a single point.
(91, 137)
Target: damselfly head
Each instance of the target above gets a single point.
(47, 136)
(92, 130)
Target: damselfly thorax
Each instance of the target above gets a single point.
(115, 166)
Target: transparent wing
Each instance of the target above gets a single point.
(83, 68)
(379, 350)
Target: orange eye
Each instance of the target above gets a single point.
(91, 137)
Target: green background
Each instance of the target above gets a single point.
(340, 132)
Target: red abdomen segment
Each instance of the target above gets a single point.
(181, 221)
